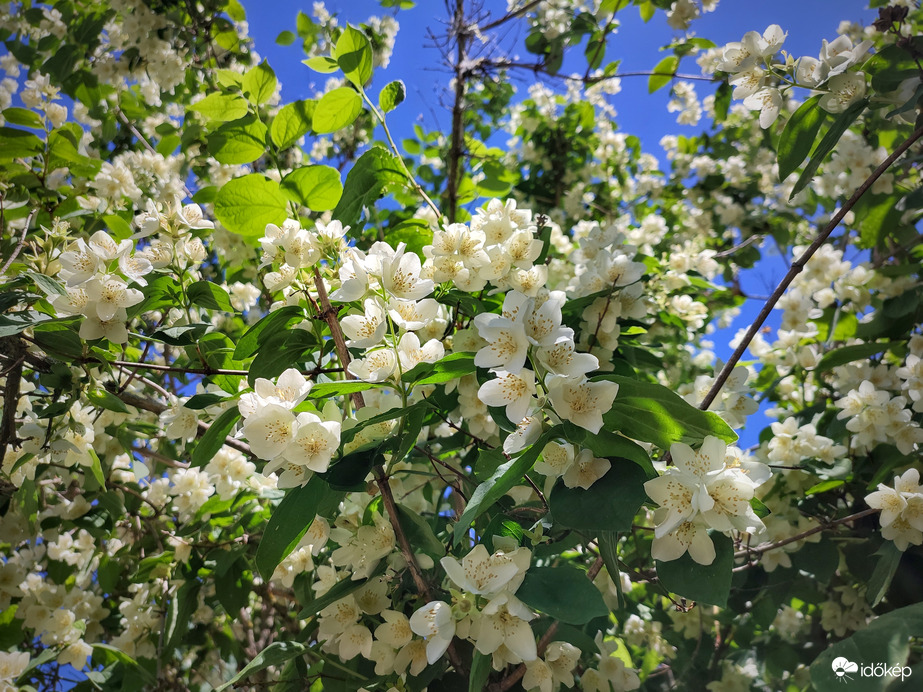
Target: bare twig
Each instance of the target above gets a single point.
(798, 265)
(20, 244)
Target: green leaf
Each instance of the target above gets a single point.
(23, 117)
(564, 593)
(608, 542)
(239, 141)
(664, 71)
(63, 151)
(391, 96)
(876, 216)
(213, 439)
(47, 284)
(335, 110)
(420, 533)
(884, 640)
(885, 569)
(325, 390)
(221, 108)
(371, 176)
(96, 469)
(708, 584)
(273, 655)
(291, 122)
(450, 367)
(608, 444)
(103, 399)
(847, 354)
(836, 130)
(610, 504)
(322, 63)
(799, 136)
(316, 187)
(16, 144)
(259, 83)
(245, 205)
(341, 589)
(109, 654)
(652, 413)
(179, 611)
(236, 11)
(414, 233)
(354, 56)
(646, 9)
(211, 296)
(276, 321)
(288, 523)
(505, 477)
(481, 668)
(285, 38)
(281, 351)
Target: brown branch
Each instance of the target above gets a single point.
(798, 265)
(766, 547)
(458, 110)
(512, 15)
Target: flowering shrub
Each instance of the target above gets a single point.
(260, 428)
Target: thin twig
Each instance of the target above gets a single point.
(798, 265)
(20, 244)
(511, 15)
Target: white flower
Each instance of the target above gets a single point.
(291, 389)
(106, 248)
(688, 536)
(269, 430)
(481, 573)
(434, 622)
(505, 621)
(562, 359)
(557, 458)
(400, 274)
(365, 330)
(514, 391)
(527, 431)
(114, 330)
(314, 443)
(377, 366)
(411, 353)
(586, 470)
(845, 90)
(411, 315)
(108, 292)
(768, 101)
(581, 402)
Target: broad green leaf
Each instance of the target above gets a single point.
(341, 589)
(505, 477)
(420, 533)
(480, 671)
(610, 504)
(208, 295)
(414, 233)
(109, 654)
(275, 321)
(847, 354)
(564, 593)
(835, 131)
(885, 568)
(371, 176)
(799, 136)
(876, 216)
(221, 108)
(335, 110)
(245, 205)
(23, 117)
(285, 38)
(322, 63)
(47, 284)
(449, 368)
(281, 350)
(63, 152)
(885, 640)
(325, 390)
(16, 144)
(179, 610)
(236, 11)
(646, 9)
(391, 96)
(291, 122)
(96, 469)
(213, 439)
(354, 56)
(708, 584)
(316, 187)
(103, 399)
(259, 83)
(608, 444)
(664, 71)
(239, 141)
(288, 523)
(273, 655)
(653, 413)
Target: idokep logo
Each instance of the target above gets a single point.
(842, 667)
(845, 670)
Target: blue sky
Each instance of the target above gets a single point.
(418, 63)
